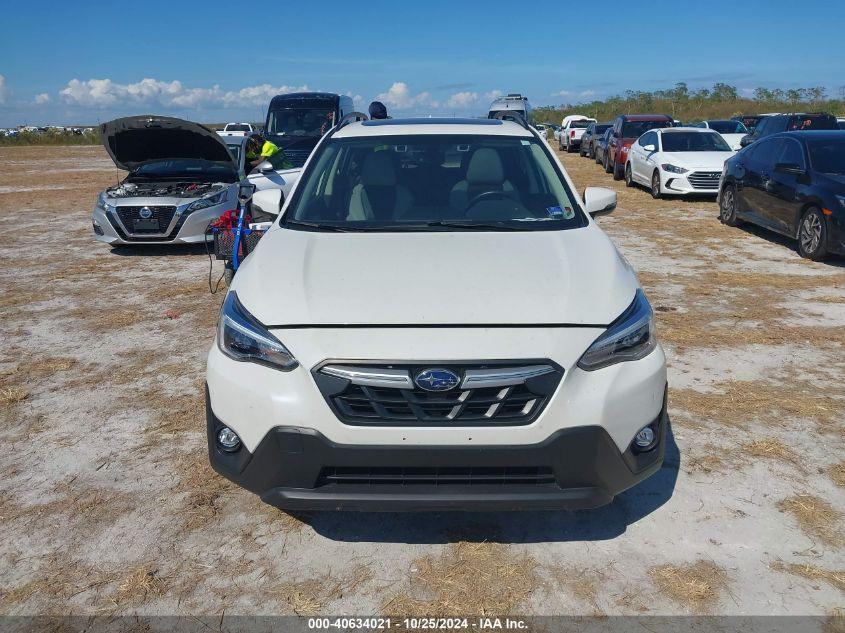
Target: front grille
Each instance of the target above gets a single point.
(705, 179)
(505, 404)
(164, 215)
(297, 156)
(437, 476)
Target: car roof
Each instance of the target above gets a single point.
(645, 117)
(815, 135)
(671, 130)
(400, 127)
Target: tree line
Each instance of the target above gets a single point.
(720, 101)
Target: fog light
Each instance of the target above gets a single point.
(644, 438)
(228, 440)
(97, 228)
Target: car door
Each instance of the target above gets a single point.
(758, 171)
(784, 187)
(648, 161)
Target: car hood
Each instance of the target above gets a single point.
(573, 276)
(706, 161)
(135, 140)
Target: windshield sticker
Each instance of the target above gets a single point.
(526, 142)
(568, 213)
(555, 212)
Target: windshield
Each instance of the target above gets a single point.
(300, 121)
(813, 122)
(579, 124)
(635, 129)
(694, 142)
(828, 157)
(182, 167)
(728, 127)
(494, 113)
(237, 128)
(601, 128)
(433, 183)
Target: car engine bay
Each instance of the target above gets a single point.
(159, 189)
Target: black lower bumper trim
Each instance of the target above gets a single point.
(285, 470)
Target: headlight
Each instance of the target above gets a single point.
(630, 337)
(241, 337)
(101, 202)
(673, 168)
(209, 201)
(841, 200)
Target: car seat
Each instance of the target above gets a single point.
(377, 197)
(484, 173)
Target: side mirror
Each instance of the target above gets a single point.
(745, 140)
(599, 200)
(649, 148)
(268, 201)
(266, 167)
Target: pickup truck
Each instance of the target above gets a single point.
(572, 129)
(237, 129)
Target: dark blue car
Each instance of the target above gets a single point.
(792, 183)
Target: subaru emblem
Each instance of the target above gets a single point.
(145, 213)
(437, 379)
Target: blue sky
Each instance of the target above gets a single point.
(63, 62)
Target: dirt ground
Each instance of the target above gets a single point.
(108, 505)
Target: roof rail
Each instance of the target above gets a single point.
(514, 116)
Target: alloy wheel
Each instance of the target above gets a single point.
(811, 233)
(655, 185)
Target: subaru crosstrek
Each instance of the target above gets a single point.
(435, 321)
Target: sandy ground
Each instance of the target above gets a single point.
(108, 506)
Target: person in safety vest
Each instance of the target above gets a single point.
(259, 150)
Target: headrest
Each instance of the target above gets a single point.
(377, 171)
(485, 167)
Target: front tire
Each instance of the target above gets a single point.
(618, 174)
(655, 185)
(228, 276)
(629, 176)
(812, 235)
(728, 206)
(607, 167)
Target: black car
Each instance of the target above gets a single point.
(600, 146)
(790, 123)
(792, 183)
(591, 136)
(750, 121)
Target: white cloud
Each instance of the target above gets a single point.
(399, 96)
(105, 92)
(462, 99)
(493, 95)
(562, 93)
(569, 94)
(4, 92)
(42, 98)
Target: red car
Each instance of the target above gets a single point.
(627, 128)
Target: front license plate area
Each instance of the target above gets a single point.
(146, 225)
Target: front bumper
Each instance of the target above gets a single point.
(187, 229)
(297, 468)
(679, 185)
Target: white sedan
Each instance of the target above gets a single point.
(732, 131)
(679, 160)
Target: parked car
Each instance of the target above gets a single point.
(626, 129)
(556, 132)
(841, 122)
(514, 102)
(775, 123)
(677, 161)
(571, 131)
(265, 176)
(542, 130)
(236, 129)
(792, 183)
(750, 121)
(732, 131)
(600, 147)
(297, 121)
(405, 394)
(592, 133)
(182, 176)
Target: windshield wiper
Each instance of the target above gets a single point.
(317, 227)
(476, 226)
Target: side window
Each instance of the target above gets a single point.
(767, 153)
(792, 153)
(649, 138)
(761, 127)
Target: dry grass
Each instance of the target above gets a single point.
(12, 395)
(835, 621)
(202, 487)
(105, 320)
(310, 597)
(811, 572)
(815, 516)
(696, 587)
(837, 473)
(582, 584)
(141, 583)
(770, 448)
(467, 578)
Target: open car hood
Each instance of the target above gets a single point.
(135, 140)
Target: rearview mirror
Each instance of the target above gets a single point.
(266, 167)
(267, 202)
(599, 200)
(649, 147)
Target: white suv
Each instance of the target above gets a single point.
(435, 321)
